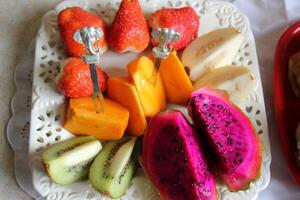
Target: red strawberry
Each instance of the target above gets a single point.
(183, 20)
(75, 80)
(74, 18)
(129, 31)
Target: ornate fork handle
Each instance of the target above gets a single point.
(165, 38)
(88, 36)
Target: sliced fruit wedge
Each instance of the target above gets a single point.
(214, 49)
(69, 161)
(82, 119)
(121, 158)
(123, 91)
(152, 96)
(80, 153)
(217, 76)
(175, 79)
(229, 135)
(173, 158)
(238, 82)
(239, 88)
(113, 168)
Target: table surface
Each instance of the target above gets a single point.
(20, 20)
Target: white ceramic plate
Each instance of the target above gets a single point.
(48, 105)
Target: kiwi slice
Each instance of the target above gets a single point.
(114, 167)
(69, 161)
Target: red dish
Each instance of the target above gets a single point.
(287, 105)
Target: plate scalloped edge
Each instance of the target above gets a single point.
(223, 14)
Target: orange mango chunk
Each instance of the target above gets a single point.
(178, 86)
(152, 96)
(122, 91)
(82, 119)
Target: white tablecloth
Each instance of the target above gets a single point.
(269, 19)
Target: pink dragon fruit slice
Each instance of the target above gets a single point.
(174, 161)
(230, 135)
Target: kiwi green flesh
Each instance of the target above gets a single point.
(67, 175)
(58, 159)
(100, 175)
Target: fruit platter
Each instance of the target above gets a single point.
(147, 100)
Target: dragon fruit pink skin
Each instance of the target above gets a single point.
(230, 135)
(174, 161)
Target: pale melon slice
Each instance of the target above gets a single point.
(214, 49)
(220, 75)
(239, 88)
